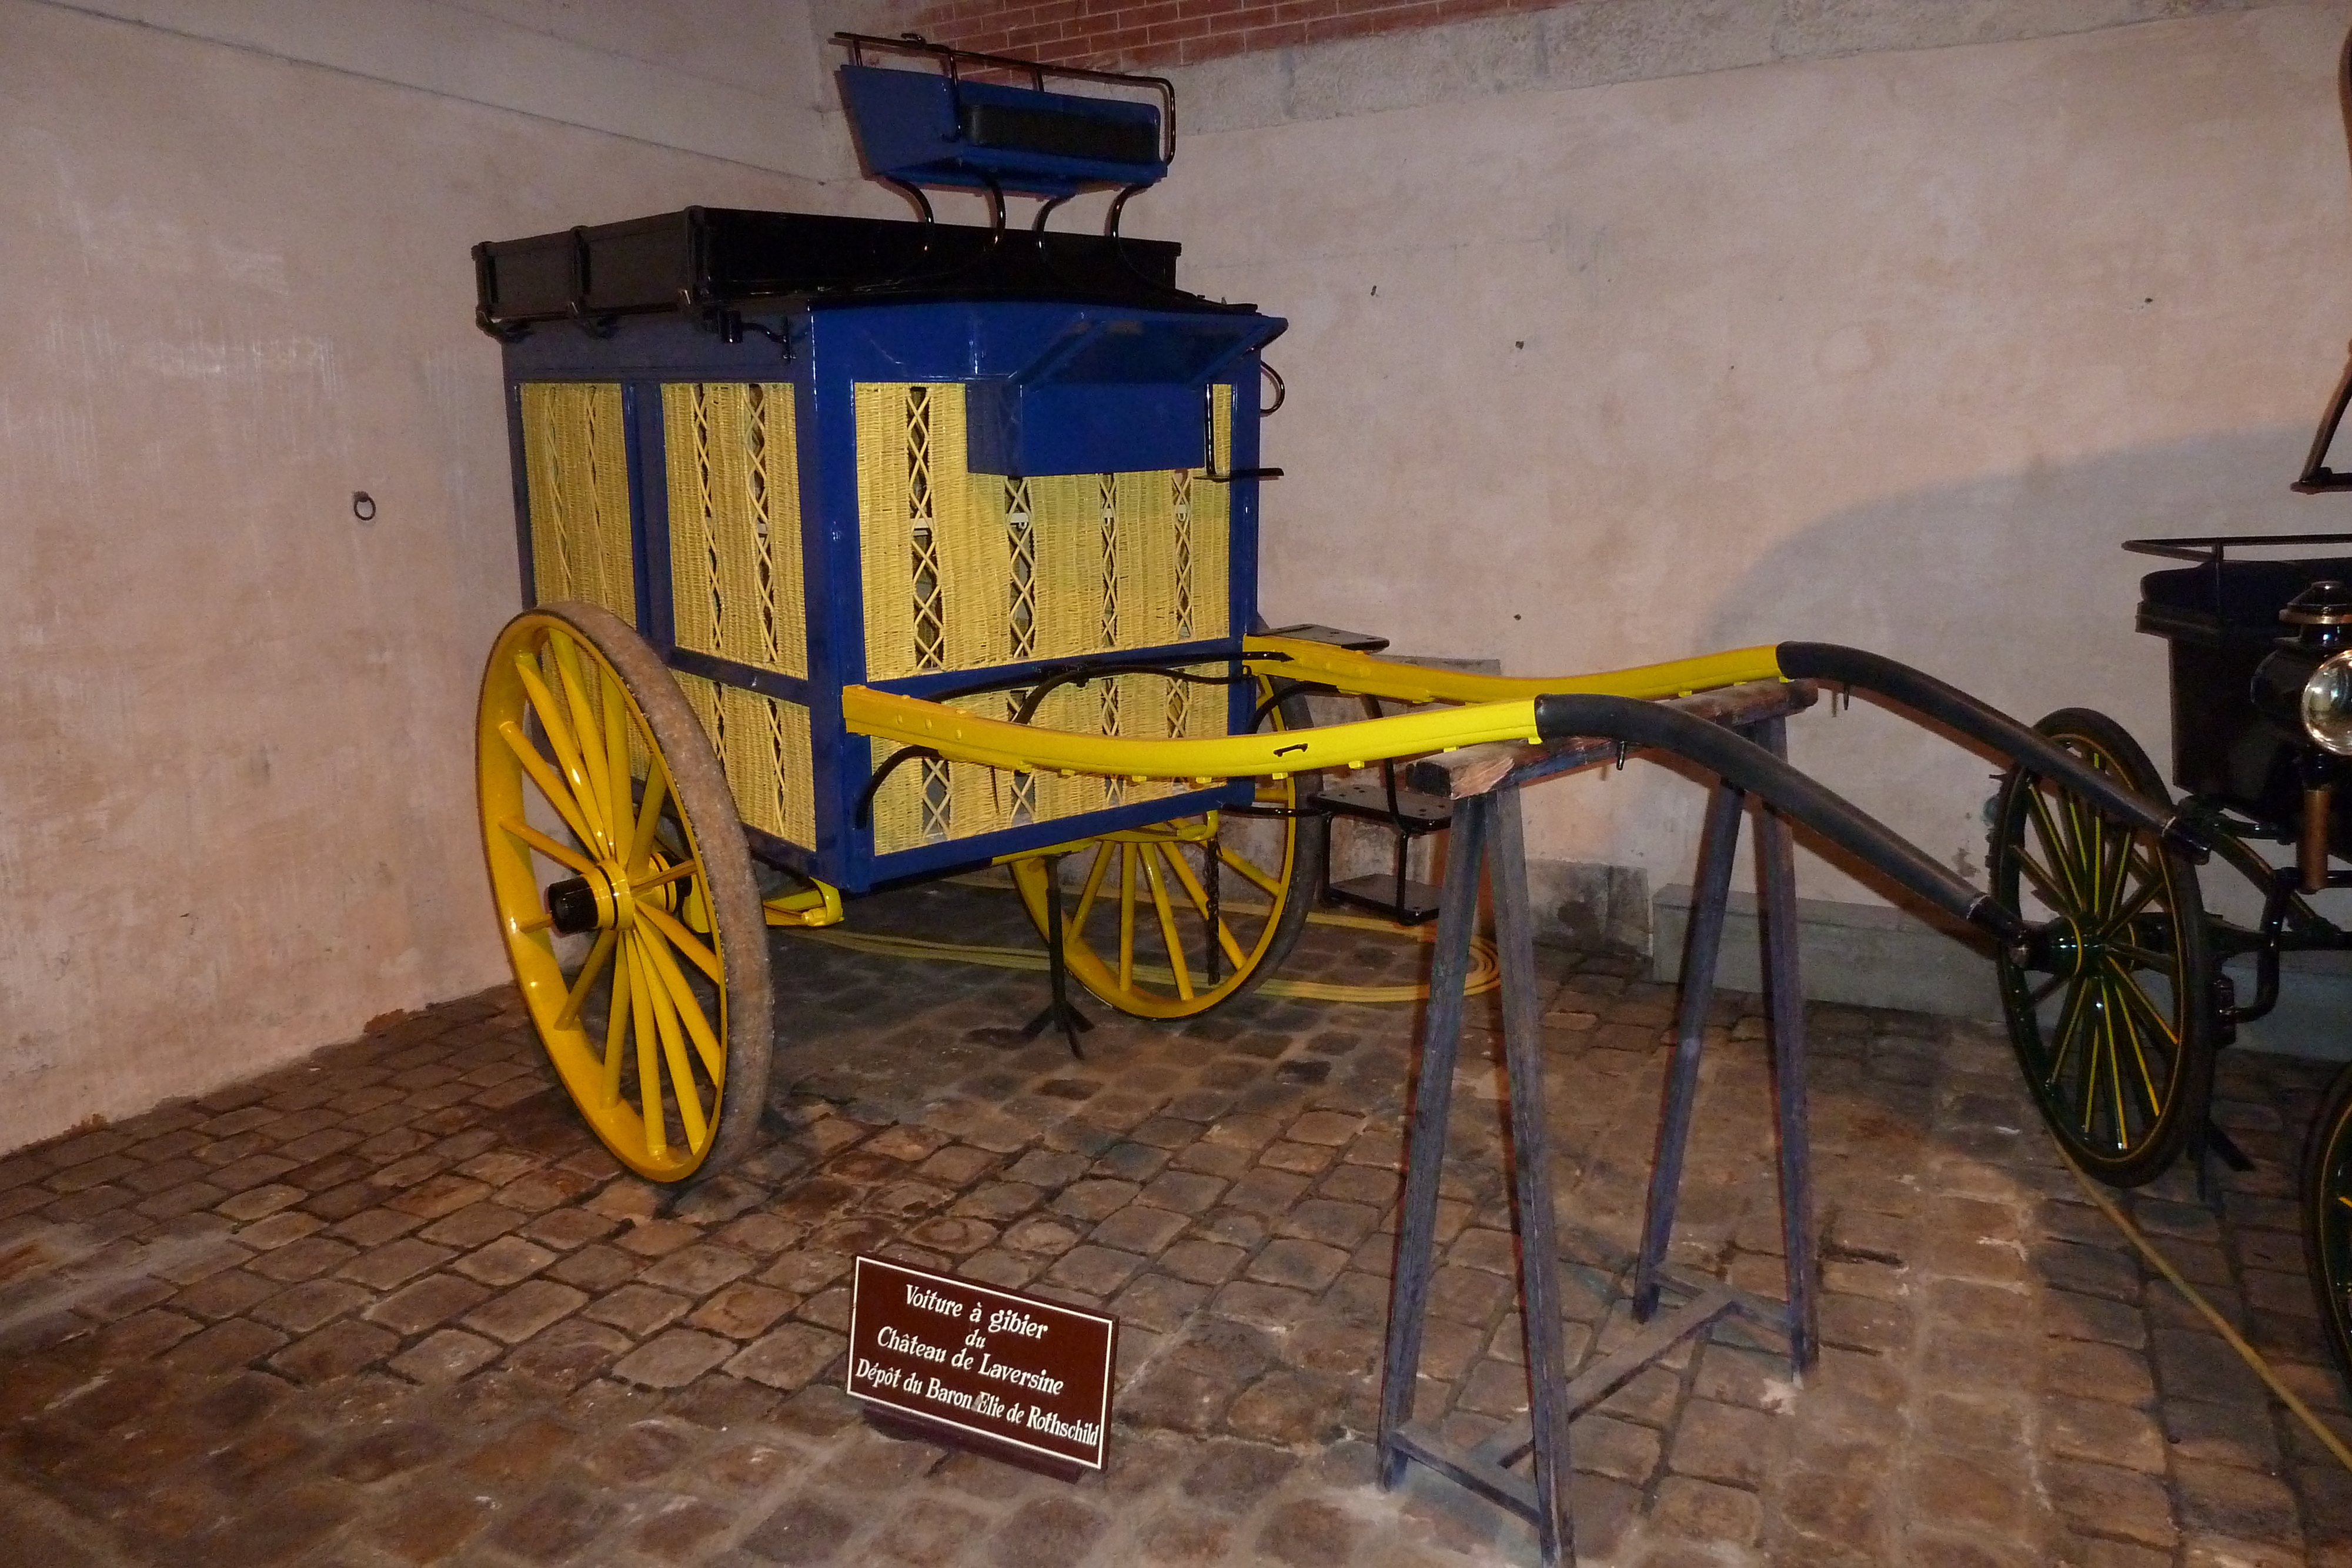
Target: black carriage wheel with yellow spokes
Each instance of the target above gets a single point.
(622, 888)
(2327, 1217)
(2112, 1015)
(1173, 920)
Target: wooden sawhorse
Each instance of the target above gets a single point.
(1485, 782)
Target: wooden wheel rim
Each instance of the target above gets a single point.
(1142, 890)
(1156, 893)
(563, 731)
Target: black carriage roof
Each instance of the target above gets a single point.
(707, 261)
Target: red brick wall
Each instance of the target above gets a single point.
(1114, 33)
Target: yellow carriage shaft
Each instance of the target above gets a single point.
(1494, 707)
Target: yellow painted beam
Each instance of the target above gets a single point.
(966, 738)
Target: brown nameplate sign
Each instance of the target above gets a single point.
(984, 1363)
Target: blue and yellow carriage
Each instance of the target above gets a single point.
(862, 551)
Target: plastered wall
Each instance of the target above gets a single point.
(1892, 348)
(235, 815)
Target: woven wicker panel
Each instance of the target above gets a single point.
(763, 745)
(576, 476)
(735, 522)
(966, 571)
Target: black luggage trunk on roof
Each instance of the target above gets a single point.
(707, 259)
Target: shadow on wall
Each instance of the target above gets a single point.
(2013, 587)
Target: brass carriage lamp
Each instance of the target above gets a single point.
(2304, 684)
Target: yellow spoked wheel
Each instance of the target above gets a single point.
(1172, 920)
(623, 889)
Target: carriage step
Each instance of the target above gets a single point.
(1366, 800)
(1408, 903)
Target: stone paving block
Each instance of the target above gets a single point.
(445, 1356)
(569, 1352)
(1954, 1385)
(2104, 1500)
(524, 1310)
(673, 1359)
(637, 1309)
(336, 1351)
(595, 1267)
(789, 1357)
(504, 1261)
(299, 1309)
(428, 1303)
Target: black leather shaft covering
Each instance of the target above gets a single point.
(1862, 671)
(1744, 764)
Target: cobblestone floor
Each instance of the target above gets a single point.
(392, 1305)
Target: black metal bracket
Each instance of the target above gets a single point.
(1059, 1010)
(1209, 446)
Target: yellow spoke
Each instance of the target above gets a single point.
(1200, 897)
(593, 763)
(2091, 1079)
(649, 1099)
(1167, 922)
(2115, 1065)
(683, 1088)
(685, 941)
(549, 784)
(649, 813)
(2113, 854)
(2102, 1046)
(578, 996)
(562, 854)
(683, 868)
(1266, 884)
(1127, 918)
(2148, 888)
(567, 751)
(1094, 885)
(689, 1008)
(2347, 1202)
(2147, 1006)
(2080, 855)
(2053, 844)
(617, 1027)
(2038, 875)
(615, 705)
(2065, 1029)
(2119, 986)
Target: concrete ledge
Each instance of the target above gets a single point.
(1870, 956)
(1860, 954)
(2314, 1016)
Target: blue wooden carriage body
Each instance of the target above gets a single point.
(652, 365)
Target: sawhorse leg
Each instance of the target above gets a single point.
(1487, 830)
(1785, 1028)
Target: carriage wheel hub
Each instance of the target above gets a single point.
(601, 901)
(2062, 950)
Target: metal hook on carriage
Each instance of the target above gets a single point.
(1281, 391)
